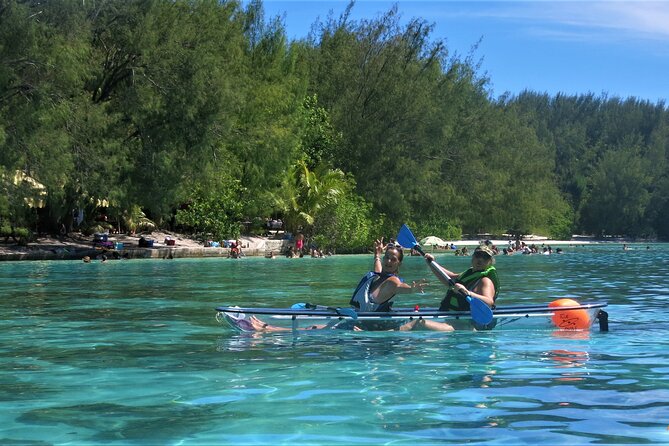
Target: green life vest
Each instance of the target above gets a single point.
(457, 302)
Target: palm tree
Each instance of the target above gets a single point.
(304, 193)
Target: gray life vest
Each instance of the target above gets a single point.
(362, 299)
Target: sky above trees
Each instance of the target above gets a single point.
(619, 48)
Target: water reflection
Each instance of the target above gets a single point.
(580, 335)
(566, 359)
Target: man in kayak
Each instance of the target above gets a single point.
(479, 281)
(375, 290)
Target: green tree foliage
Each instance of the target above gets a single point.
(265, 141)
(150, 105)
(394, 95)
(49, 136)
(320, 140)
(305, 193)
(515, 187)
(420, 134)
(619, 196)
(659, 208)
(213, 211)
(167, 68)
(21, 195)
(347, 225)
(610, 158)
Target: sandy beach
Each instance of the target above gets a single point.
(76, 246)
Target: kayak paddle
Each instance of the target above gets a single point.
(481, 313)
(350, 312)
(407, 239)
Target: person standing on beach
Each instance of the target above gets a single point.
(299, 242)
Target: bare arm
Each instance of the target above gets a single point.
(393, 285)
(484, 291)
(378, 252)
(442, 273)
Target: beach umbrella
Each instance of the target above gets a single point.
(432, 241)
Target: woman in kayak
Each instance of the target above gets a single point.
(479, 281)
(379, 286)
(375, 290)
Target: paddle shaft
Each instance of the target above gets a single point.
(480, 311)
(408, 240)
(434, 266)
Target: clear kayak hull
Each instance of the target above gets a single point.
(565, 317)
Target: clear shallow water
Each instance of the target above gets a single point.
(129, 352)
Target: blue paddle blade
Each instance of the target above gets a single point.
(350, 312)
(406, 238)
(481, 313)
(300, 306)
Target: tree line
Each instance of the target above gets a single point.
(203, 116)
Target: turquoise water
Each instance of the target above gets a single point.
(129, 352)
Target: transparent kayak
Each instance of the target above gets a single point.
(563, 314)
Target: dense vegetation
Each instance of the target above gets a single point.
(201, 115)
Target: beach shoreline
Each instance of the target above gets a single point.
(76, 246)
(164, 244)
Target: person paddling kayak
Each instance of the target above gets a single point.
(479, 281)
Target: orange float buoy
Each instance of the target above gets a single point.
(569, 319)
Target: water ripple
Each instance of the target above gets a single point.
(130, 353)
